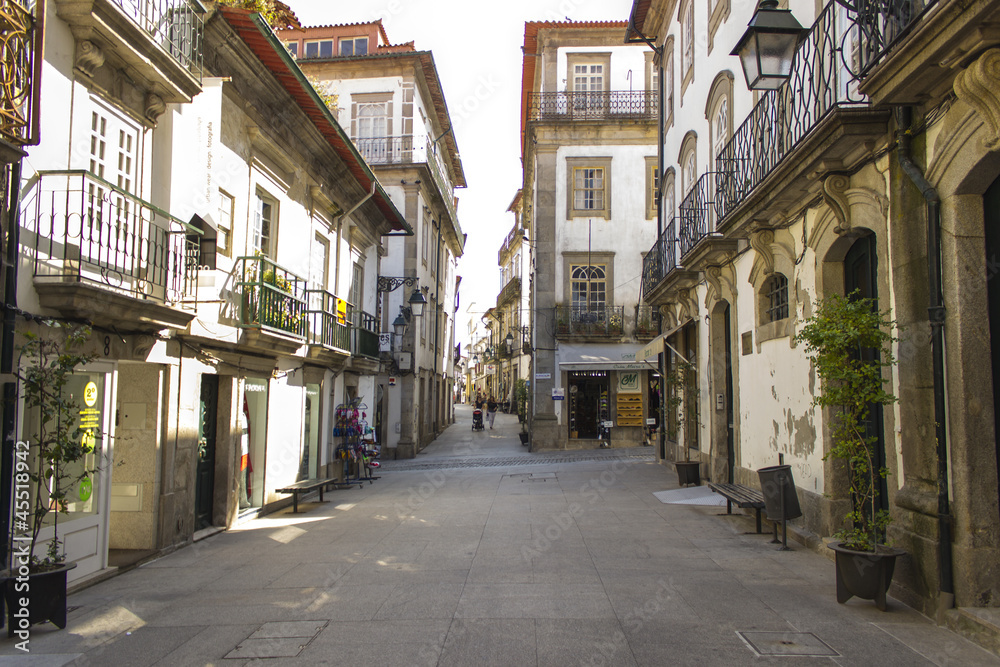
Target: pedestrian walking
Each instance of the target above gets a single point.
(491, 410)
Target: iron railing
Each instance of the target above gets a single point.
(590, 321)
(698, 213)
(327, 326)
(78, 227)
(661, 258)
(410, 149)
(820, 82)
(647, 321)
(511, 290)
(365, 334)
(176, 26)
(20, 48)
(273, 298)
(613, 105)
(880, 25)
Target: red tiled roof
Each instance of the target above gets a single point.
(530, 49)
(265, 45)
(637, 18)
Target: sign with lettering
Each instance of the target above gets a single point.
(628, 382)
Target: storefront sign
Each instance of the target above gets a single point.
(558, 394)
(543, 376)
(628, 382)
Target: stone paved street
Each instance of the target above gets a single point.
(452, 559)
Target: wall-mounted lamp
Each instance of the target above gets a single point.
(509, 342)
(768, 46)
(417, 302)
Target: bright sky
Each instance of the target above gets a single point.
(477, 50)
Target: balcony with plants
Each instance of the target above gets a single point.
(815, 124)
(597, 322)
(159, 42)
(100, 253)
(273, 304)
(329, 333)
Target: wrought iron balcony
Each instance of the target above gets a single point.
(613, 105)
(328, 327)
(647, 321)
(364, 328)
(698, 213)
(820, 83)
(22, 44)
(79, 228)
(510, 291)
(173, 24)
(584, 321)
(273, 298)
(881, 24)
(661, 259)
(409, 149)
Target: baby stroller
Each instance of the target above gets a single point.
(477, 420)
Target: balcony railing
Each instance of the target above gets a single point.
(176, 25)
(409, 149)
(584, 321)
(365, 332)
(327, 327)
(661, 258)
(647, 321)
(511, 290)
(882, 23)
(820, 82)
(21, 51)
(80, 228)
(613, 105)
(274, 298)
(698, 213)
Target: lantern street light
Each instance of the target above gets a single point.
(417, 302)
(399, 325)
(509, 341)
(767, 47)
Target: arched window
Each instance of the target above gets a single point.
(690, 171)
(719, 114)
(775, 298)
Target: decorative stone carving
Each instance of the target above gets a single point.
(89, 57)
(761, 241)
(141, 346)
(713, 275)
(977, 86)
(154, 106)
(835, 196)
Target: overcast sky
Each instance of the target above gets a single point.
(477, 50)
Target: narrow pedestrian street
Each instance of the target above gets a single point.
(479, 553)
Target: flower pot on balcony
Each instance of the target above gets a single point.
(688, 472)
(864, 574)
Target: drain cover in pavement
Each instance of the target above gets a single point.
(787, 643)
(280, 639)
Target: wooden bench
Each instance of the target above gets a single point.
(743, 496)
(307, 485)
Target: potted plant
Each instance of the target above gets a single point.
(851, 343)
(681, 404)
(51, 470)
(521, 397)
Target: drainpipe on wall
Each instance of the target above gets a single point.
(936, 315)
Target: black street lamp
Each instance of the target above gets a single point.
(767, 47)
(417, 302)
(509, 341)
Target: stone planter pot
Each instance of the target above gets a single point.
(524, 436)
(688, 472)
(863, 574)
(46, 596)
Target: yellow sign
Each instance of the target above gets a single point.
(90, 394)
(341, 311)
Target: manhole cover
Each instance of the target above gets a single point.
(787, 643)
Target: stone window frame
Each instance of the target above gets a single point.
(602, 58)
(651, 171)
(667, 76)
(689, 150)
(717, 15)
(668, 186)
(595, 258)
(768, 329)
(579, 162)
(358, 99)
(685, 17)
(720, 91)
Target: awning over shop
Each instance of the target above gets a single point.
(652, 349)
(599, 357)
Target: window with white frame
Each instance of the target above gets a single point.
(689, 169)
(687, 45)
(667, 196)
(357, 286)
(263, 237)
(652, 185)
(588, 188)
(320, 48)
(668, 84)
(718, 111)
(319, 261)
(224, 240)
(720, 127)
(588, 79)
(353, 46)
